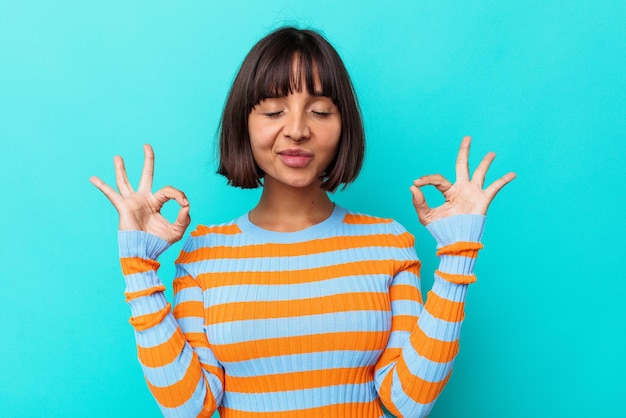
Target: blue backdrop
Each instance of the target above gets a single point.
(542, 83)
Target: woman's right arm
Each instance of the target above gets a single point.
(183, 377)
(180, 369)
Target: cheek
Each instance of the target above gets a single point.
(335, 137)
(259, 139)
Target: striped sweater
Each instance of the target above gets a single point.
(327, 321)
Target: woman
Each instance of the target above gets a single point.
(299, 307)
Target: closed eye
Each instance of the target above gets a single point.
(273, 114)
(320, 113)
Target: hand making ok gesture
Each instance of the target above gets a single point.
(466, 196)
(141, 210)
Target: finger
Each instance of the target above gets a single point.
(183, 219)
(462, 169)
(437, 180)
(170, 193)
(123, 185)
(481, 170)
(419, 202)
(147, 174)
(107, 190)
(497, 185)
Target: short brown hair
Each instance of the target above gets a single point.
(267, 71)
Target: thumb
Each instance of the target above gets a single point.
(419, 202)
(183, 219)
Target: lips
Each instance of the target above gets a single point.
(295, 158)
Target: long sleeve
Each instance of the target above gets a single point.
(424, 340)
(173, 351)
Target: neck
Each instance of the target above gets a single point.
(288, 209)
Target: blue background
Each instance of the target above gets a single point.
(542, 83)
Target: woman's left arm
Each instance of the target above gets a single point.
(418, 361)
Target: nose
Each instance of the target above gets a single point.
(296, 126)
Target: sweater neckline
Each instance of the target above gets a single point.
(315, 231)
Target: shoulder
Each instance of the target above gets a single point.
(374, 225)
(229, 228)
(204, 238)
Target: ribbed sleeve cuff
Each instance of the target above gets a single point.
(140, 244)
(459, 228)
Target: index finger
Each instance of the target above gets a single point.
(462, 169)
(107, 190)
(147, 173)
(497, 185)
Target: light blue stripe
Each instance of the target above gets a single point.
(438, 328)
(300, 399)
(293, 263)
(397, 339)
(157, 335)
(424, 368)
(206, 356)
(191, 324)
(341, 285)
(406, 278)
(457, 228)
(141, 281)
(188, 294)
(406, 307)
(302, 362)
(448, 290)
(258, 329)
(147, 304)
(456, 264)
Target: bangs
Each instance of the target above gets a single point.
(288, 67)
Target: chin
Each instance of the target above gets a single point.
(301, 183)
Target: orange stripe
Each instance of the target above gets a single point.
(343, 302)
(133, 265)
(144, 322)
(421, 391)
(389, 356)
(403, 323)
(213, 280)
(357, 219)
(207, 412)
(184, 282)
(180, 392)
(162, 354)
(457, 278)
(270, 347)
(192, 308)
(145, 292)
(219, 229)
(300, 380)
(369, 409)
(433, 349)
(405, 292)
(462, 248)
(214, 371)
(309, 248)
(197, 339)
(406, 266)
(444, 308)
